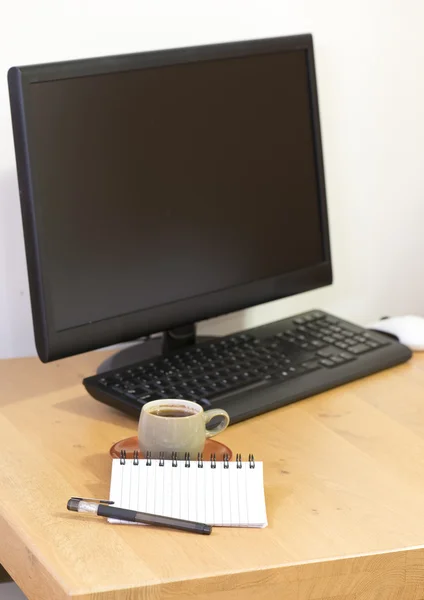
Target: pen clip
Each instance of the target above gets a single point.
(93, 500)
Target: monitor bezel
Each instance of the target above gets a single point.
(52, 344)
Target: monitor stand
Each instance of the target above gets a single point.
(171, 340)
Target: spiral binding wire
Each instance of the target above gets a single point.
(187, 460)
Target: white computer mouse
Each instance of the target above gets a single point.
(408, 329)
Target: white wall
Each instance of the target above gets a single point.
(370, 66)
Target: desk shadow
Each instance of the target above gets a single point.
(274, 498)
(99, 490)
(100, 465)
(72, 516)
(88, 407)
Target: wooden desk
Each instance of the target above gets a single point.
(344, 475)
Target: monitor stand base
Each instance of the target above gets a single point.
(173, 339)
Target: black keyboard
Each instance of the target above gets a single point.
(254, 371)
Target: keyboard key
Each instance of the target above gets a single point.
(143, 398)
(130, 390)
(328, 339)
(346, 356)
(326, 362)
(311, 365)
(245, 337)
(106, 381)
(341, 345)
(359, 348)
(317, 343)
(282, 375)
(118, 388)
(373, 344)
(359, 338)
(296, 371)
(208, 391)
(332, 320)
(325, 352)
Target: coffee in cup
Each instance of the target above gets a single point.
(172, 411)
(169, 425)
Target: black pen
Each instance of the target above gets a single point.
(103, 508)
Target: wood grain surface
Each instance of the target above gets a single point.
(344, 484)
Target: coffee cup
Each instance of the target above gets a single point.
(168, 426)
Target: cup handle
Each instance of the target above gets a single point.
(216, 412)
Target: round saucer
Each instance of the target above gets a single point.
(131, 444)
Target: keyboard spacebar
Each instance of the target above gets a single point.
(241, 388)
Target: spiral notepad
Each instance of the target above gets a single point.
(222, 493)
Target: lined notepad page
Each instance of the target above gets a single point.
(229, 497)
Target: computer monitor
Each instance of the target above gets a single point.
(164, 188)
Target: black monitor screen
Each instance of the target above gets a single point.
(159, 184)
